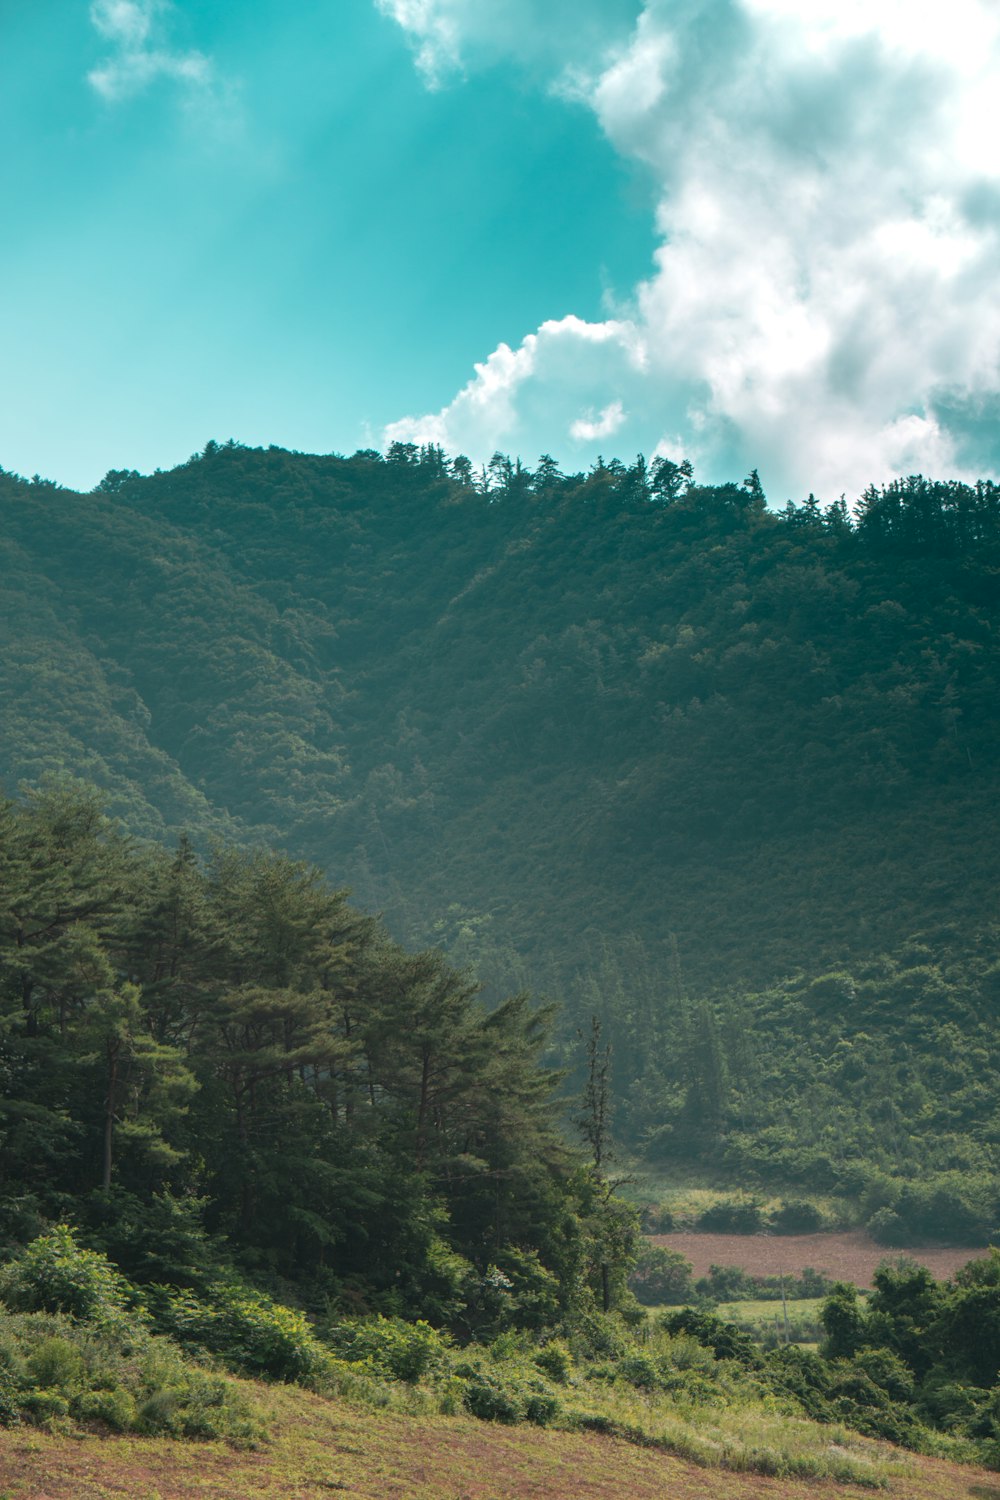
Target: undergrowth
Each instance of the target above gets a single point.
(82, 1348)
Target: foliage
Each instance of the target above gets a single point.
(391, 1347)
(668, 1385)
(221, 1067)
(732, 1216)
(246, 1328)
(57, 1370)
(752, 729)
(55, 1275)
(713, 767)
(796, 1216)
(661, 1275)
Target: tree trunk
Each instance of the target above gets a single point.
(109, 1114)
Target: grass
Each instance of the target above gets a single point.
(771, 1324)
(73, 1381)
(755, 1310)
(322, 1447)
(686, 1195)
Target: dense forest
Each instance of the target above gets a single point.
(716, 782)
(721, 775)
(243, 1131)
(230, 1065)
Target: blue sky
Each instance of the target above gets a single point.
(296, 244)
(743, 231)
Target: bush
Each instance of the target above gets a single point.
(115, 1409)
(542, 1407)
(491, 1399)
(500, 1396)
(724, 1339)
(56, 1364)
(726, 1284)
(555, 1361)
(843, 1320)
(947, 1208)
(55, 1275)
(391, 1347)
(656, 1219)
(54, 1368)
(732, 1216)
(661, 1275)
(639, 1370)
(252, 1333)
(796, 1216)
(887, 1228)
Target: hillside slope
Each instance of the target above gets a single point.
(615, 737)
(568, 714)
(323, 1447)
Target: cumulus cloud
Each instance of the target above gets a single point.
(450, 35)
(541, 387)
(589, 428)
(134, 29)
(825, 299)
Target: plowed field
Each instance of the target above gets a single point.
(844, 1257)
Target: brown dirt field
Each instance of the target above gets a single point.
(845, 1257)
(323, 1448)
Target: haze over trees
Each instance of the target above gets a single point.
(202, 1063)
(719, 779)
(721, 775)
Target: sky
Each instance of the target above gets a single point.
(751, 233)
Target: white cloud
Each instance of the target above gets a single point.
(540, 387)
(434, 31)
(825, 300)
(449, 35)
(588, 428)
(140, 54)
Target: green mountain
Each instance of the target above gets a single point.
(629, 740)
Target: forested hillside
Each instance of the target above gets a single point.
(632, 741)
(230, 1064)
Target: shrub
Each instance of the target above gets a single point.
(639, 1370)
(390, 1346)
(505, 1392)
(724, 1339)
(492, 1399)
(244, 1327)
(656, 1219)
(542, 1407)
(732, 1216)
(54, 1368)
(843, 1320)
(555, 1361)
(661, 1276)
(54, 1274)
(886, 1227)
(10, 1402)
(888, 1371)
(57, 1364)
(115, 1408)
(796, 1216)
(812, 1283)
(726, 1284)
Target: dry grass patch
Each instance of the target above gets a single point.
(324, 1448)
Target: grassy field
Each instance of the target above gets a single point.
(685, 1194)
(321, 1447)
(766, 1319)
(795, 1323)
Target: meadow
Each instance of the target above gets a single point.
(321, 1447)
